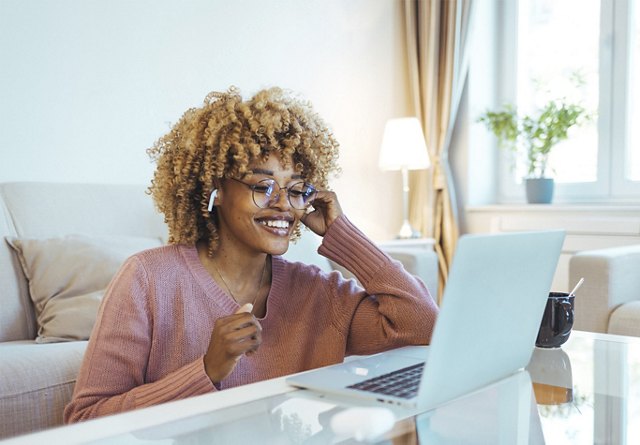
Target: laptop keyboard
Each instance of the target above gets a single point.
(402, 383)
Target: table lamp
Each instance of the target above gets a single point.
(403, 148)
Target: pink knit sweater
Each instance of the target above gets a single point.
(156, 319)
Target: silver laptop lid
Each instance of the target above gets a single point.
(491, 311)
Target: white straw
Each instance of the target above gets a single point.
(573, 292)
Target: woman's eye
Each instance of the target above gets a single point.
(261, 188)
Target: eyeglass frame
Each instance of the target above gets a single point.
(275, 197)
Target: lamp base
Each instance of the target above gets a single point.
(408, 232)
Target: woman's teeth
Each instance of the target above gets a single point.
(279, 224)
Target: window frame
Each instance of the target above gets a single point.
(623, 33)
(614, 73)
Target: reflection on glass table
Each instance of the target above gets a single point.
(588, 391)
(504, 413)
(550, 370)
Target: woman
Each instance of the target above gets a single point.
(218, 307)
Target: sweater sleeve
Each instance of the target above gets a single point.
(394, 309)
(112, 375)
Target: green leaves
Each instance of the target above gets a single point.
(535, 135)
(504, 124)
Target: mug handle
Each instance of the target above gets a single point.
(567, 320)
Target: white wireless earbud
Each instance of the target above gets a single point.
(212, 198)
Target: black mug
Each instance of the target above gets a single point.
(557, 320)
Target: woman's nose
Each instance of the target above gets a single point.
(280, 199)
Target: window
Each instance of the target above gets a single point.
(586, 51)
(633, 151)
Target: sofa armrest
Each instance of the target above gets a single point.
(611, 279)
(418, 261)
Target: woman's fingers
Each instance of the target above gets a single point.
(326, 209)
(242, 335)
(236, 320)
(232, 337)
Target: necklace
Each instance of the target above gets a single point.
(264, 268)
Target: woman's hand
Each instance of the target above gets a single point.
(326, 210)
(232, 337)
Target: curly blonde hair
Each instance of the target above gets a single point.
(219, 140)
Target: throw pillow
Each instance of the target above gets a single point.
(68, 276)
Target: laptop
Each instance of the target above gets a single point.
(492, 307)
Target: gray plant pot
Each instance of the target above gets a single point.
(539, 190)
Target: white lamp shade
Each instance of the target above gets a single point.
(403, 145)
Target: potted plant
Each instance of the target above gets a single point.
(533, 137)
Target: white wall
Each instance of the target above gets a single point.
(86, 86)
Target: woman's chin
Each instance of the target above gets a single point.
(279, 248)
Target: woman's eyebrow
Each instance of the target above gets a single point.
(260, 171)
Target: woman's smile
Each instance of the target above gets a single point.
(277, 226)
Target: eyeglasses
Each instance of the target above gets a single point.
(300, 194)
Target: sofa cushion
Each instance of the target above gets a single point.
(625, 319)
(32, 398)
(67, 278)
(17, 321)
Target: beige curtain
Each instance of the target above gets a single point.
(436, 34)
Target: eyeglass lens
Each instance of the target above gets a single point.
(300, 194)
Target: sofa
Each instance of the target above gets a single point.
(609, 299)
(60, 244)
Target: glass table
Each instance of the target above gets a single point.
(587, 392)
